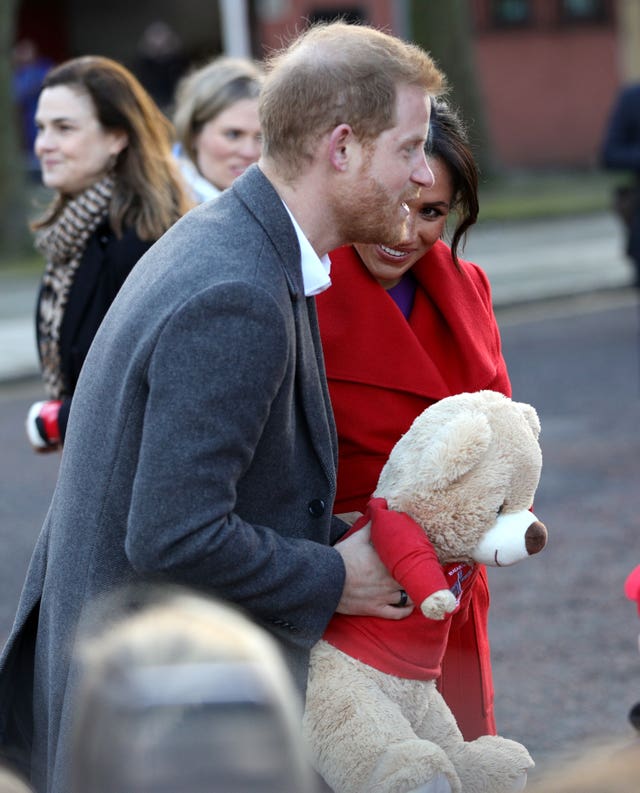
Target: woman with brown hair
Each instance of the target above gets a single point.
(105, 149)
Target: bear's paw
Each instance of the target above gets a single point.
(439, 604)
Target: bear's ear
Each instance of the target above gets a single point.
(531, 417)
(455, 449)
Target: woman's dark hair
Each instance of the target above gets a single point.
(448, 141)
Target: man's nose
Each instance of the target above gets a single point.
(423, 175)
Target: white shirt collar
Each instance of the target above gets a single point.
(315, 270)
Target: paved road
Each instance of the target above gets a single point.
(26, 484)
(545, 258)
(525, 261)
(564, 639)
(566, 662)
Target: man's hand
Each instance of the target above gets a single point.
(369, 589)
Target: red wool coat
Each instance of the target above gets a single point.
(382, 372)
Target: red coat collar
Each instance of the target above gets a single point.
(451, 323)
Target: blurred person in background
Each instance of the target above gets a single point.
(11, 782)
(179, 692)
(621, 152)
(29, 70)
(105, 150)
(160, 62)
(632, 591)
(402, 327)
(217, 124)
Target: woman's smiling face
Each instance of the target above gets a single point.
(73, 148)
(229, 143)
(428, 216)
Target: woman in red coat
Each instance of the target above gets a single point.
(403, 327)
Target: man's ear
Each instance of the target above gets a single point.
(339, 140)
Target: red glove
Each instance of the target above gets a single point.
(42, 425)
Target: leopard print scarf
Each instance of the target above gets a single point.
(62, 244)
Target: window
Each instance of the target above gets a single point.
(576, 11)
(511, 13)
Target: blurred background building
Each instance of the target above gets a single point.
(546, 71)
(535, 80)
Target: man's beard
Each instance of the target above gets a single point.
(367, 213)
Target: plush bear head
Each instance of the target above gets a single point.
(467, 471)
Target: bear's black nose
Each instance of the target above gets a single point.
(535, 537)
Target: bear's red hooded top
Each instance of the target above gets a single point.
(413, 647)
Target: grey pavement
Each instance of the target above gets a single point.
(542, 259)
(526, 261)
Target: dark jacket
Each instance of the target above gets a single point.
(106, 263)
(200, 450)
(621, 151)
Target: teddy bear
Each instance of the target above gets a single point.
(455, 492)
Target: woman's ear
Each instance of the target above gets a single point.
(119, 142)
(339, 140)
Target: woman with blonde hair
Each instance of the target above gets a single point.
(217, 125)
(105, 150)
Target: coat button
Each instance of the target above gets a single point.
(316, 507)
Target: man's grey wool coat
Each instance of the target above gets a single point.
(201, 450)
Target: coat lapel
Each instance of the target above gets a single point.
(314, 391)
(447, 333)
(258, 194)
